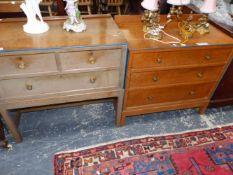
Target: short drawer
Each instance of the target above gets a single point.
(27, 64)
(169, 94)
(72, 61)
(174, 76)
(57, 84)
(179, 58)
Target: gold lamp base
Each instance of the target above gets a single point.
(153, 30)
(203, 26)
(151, 26)
(154, 34)
(186, 28)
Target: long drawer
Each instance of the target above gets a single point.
(177, 58)
(174, 76)
(55, 84)
(71, 61)
(139, 97)
(27, 64)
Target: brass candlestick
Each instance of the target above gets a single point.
(174, 12)
(186, 28)
(203, 26)
(151, 25)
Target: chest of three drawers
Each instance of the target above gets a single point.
(169, 79)
(29, 79)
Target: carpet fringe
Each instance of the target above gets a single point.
(142, 136)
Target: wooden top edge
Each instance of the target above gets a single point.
(11, 2)
(64, 48)
(165, 48)
(54, 18)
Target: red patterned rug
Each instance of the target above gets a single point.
(208, 152)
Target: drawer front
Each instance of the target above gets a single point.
(173, 76)
(72, 61)
(27, 64)
(168, 94)
(179, 58)
(55, 84)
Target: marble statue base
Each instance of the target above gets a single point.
(36, 27)
(76, 27)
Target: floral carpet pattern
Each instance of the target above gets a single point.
(208, 152)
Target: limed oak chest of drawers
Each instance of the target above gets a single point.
(163, 77)
(59, 67)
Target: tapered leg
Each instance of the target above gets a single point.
(202, 109)
(3, 141)
(126, 7)
(11, 125)
(119, 10)
(50, 11)
(89, 9)
(122, 121)
(17, 118)
(118, 108)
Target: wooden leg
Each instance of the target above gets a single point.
(126, 8)
(89, 9)
(17, 118)
(119, 10)
(11, 125)
(123, 119)
(3, 141)
(202, 109)
(118, 104)
(50, 11)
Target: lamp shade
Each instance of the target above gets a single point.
(209, 6)
(151, 5)
(178, 2)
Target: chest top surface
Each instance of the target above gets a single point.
(101, 30)
(132, 27)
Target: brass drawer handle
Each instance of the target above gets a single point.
(93, 79)
(155, 78)
(92, 60)
(200, 75)
(21, 64)
(191, 92)
(150, 98)
(159, 60)
(208, 57)
(28, 87)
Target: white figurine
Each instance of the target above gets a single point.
(32, 10)
(74, 22)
